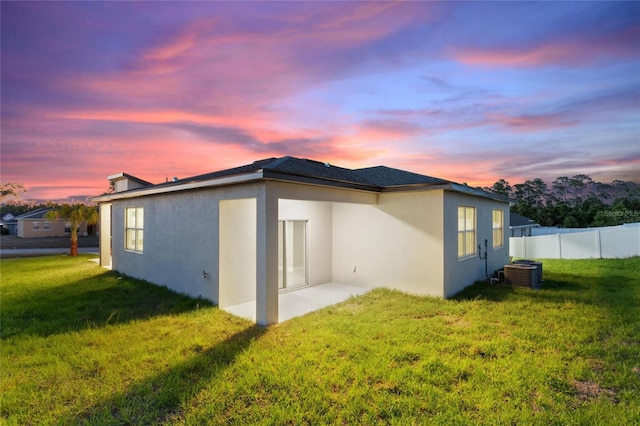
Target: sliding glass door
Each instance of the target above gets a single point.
(292, 253)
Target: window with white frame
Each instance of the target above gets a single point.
(498, 228)
(466, 231)
(36, 226)
(134, 229)
(46, 226)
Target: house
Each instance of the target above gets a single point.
(8, 225)
(33, 224)
(520, 226)
(253, 233)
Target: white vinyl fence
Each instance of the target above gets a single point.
(606, 243)
(549, 230)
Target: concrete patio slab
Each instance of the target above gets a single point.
(301, 301)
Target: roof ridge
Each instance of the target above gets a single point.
(276, 161)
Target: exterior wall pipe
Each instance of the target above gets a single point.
(486, 251)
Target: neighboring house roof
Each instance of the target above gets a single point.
(292, 169)
(34, 214)
(518, 221)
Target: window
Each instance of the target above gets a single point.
(498, 229)
(134, 233)
(36, 226)
(46, 226)
(466, 231)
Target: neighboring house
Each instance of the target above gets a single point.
(8, 225)
(33, 224)
(248, 233)
(521, 226)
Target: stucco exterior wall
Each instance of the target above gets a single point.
(237, 249)
(308, 192)
(181, 239)
(105, 234)
(396, 243)
(462, 272)
(56, 228)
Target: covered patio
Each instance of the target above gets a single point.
(298, 302)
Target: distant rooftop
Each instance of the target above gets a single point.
(519, 220)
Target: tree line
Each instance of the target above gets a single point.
(573, 202)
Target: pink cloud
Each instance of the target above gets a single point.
(531, 123)
(567, 51)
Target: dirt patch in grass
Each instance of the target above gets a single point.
(587, 390)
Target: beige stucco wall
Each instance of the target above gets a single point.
(105, 234)
(396, 243)
(25, 228)
(460, 273)
(237, 251)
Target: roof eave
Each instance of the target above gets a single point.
(416, 187)
(184, 186)
(463, 189)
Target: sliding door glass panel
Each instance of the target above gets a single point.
(296, 259)
(281, 255)
(292, 253)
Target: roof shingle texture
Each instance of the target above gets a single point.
(379, 176)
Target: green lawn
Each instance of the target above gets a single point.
(81, 345)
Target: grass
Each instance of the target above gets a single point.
(85, 346)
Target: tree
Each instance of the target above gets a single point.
(578, 183)
(570, 222)
(561, 185)
(10, 188)
(501, 187)
(75, 214)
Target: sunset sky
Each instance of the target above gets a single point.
(471, 92)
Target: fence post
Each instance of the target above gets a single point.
(598, 244)
(559, 245)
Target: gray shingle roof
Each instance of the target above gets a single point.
(316, 169)
(386, 176)
(34, 214)
(377, 177)
(518, 220)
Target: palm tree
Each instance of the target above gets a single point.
(75, 214)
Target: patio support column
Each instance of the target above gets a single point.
(267, 258)
(105, 234)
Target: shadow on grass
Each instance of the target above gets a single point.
(560, 289)
(96, 301)
(159, 398)
(608, 288)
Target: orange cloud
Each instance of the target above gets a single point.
(160, 117)
(531, 123)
